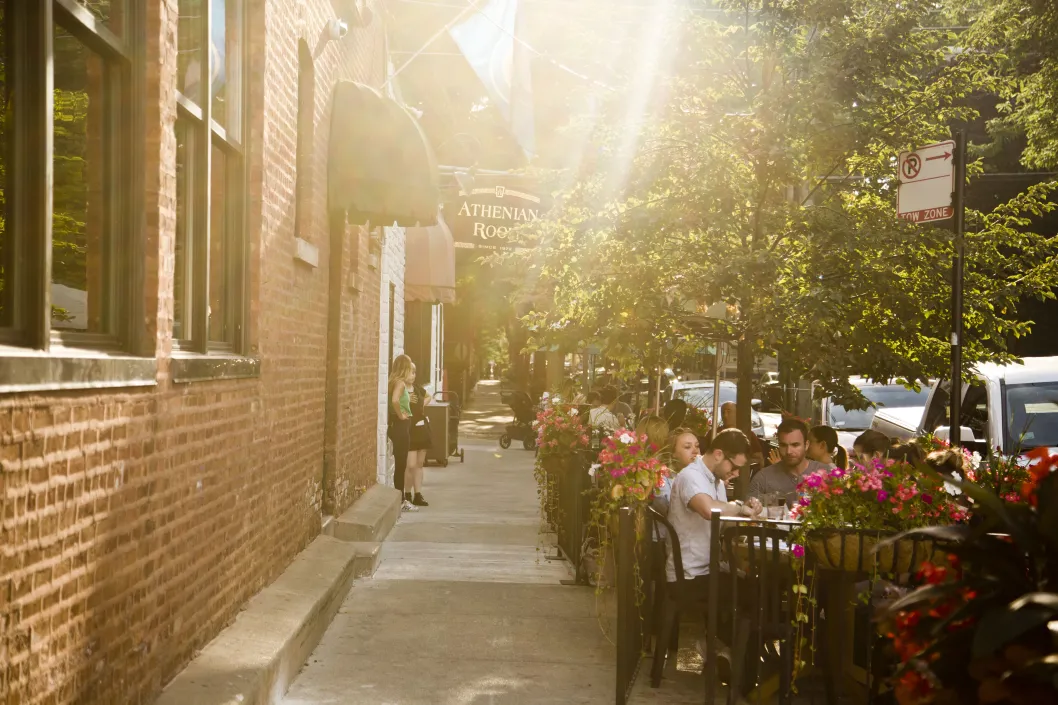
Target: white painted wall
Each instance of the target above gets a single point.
(392, 269)
(437, 353)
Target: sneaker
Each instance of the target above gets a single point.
(418, 501)
(407, 496)
(408, 507)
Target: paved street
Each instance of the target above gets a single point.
(465, 608)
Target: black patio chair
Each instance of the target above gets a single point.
(675, 599)
(763, 604)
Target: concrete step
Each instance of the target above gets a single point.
(368, 554)
(254, 660)
(371, 517)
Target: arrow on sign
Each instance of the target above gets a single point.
(946, 156)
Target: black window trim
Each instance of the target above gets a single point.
(34, 356)
(208, 134)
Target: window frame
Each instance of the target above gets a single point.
(207, 134)
(33, 354)
(32, 151)
(305, 142)
(28, 235)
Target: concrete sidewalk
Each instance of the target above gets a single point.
(486, 415)
(464, 608)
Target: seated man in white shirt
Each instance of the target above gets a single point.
(700, 488)
(600, 415)
(696, 492)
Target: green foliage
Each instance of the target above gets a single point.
(759, 171)
(1020, 37)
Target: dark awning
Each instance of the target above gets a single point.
(381, 168)
(430, 268)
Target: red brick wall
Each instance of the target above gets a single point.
(134, 524)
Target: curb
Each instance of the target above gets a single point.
(255, 659)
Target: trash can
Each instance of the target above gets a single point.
(438, 413)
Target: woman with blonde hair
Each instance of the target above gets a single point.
(656, 429)
(401, 377)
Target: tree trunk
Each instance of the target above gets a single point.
(744, 402)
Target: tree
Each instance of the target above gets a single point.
(761, 173)
(1021, 39)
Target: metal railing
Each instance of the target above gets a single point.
(574, 487)
(634, 553)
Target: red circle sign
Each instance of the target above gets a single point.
(912, 166)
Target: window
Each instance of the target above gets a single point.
(892, 396)
(66, 214)
(306, 139)
(1032, 416)
(209, 276)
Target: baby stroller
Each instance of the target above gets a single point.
(522, 427)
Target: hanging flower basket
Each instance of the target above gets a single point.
(859, 552)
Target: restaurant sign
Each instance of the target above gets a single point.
(485, 215)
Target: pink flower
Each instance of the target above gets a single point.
(882, 495)
(798, 550)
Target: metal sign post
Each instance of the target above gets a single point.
(956, 287)
(932, 181)
(716, 392)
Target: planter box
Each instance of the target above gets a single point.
(859, 552)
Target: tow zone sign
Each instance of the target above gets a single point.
(927, 179)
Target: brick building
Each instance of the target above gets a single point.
(192, 343)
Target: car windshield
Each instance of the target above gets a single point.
(1032, 416)
(880, 395)
(702, 397)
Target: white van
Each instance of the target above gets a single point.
(1009, 407)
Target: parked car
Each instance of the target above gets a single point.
(1009, 407)
(770, 391)
(699, 394)
(896, 400)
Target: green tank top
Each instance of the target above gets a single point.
(405, 402)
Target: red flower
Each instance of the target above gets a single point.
(913, 687)
(932, 574)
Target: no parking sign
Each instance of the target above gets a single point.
(927, 180)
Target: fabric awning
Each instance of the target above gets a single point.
(430, 264)
(380, 168)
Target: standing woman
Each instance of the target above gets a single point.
(420, 443)
(401, 376)
(823, 447)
